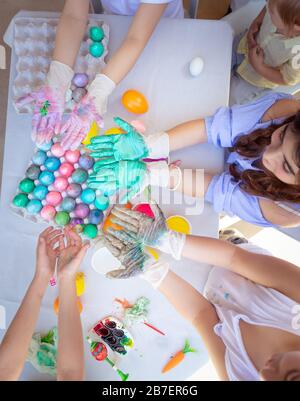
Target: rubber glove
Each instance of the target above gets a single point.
(130, 175)
(155, 273)
(140, 228)
(49, 102)
(131, 145)
(99, 90)
(78, 124)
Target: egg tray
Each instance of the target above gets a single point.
(112, 332)
(36, 217)
(34, 40)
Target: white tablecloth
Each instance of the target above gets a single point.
(174, 96)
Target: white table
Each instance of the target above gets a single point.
(174, 96)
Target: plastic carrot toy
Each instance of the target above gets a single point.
(178, 357)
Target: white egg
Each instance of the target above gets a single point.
(196, 66)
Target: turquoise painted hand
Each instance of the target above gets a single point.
(111, 148)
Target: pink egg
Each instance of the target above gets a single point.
(82, 210)
(53, 198)
(66, 169)
(57, 150)
(48, 212)
(72, 156)
(61, 183)
(139, 126)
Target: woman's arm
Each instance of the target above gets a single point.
(277, 215)
(70, 354)
(187, 134)
(14, 347)
(282, 109)
(70, 31)
(140, 31)
(202, 315)
(265, 270)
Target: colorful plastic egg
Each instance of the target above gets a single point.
(102, 202)
(68, 204)
(52, 163)
(96, 49)
(135, 102)
(62, 218)
(80, 176)
(61, 184)
(46, 178)
(76, 221)
(80, 80)
(96, 33)
(54, 198)
(39, 157)
(48, 212)
(66, 169)
(26, 185)
(78, 94)
(45, 146)
(96, 216)
(20, 200)
(34, 206)
(81, 210)
(90, 231)
(86, 162)
(88, 195)
(57, 150)
(72, 156)
(33, 172)
(74, 190)
(40, 192)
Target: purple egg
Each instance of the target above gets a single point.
(75, 221)
(74, 190)
(80, 80)
(96, 216)
(81, 210)
(78, 94)
(86, 162)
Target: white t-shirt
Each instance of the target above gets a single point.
(129, 7)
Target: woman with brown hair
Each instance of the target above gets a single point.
(262, 183)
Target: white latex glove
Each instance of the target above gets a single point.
(158, 174)
(158, 145)
(99, 90)
(59, 76)
(155, 273)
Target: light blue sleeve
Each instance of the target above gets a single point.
(230, 122)
(226, 196)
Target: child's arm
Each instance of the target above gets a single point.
(255, 28)
(14, 347)
(140, 31)
(265, 270)
(70, 354)
(70, 31)
(196, 309)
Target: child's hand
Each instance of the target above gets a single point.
(47, 251)
(252, 34)
(71, 253)
(256, 58)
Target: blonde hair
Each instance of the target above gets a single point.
(289, 11)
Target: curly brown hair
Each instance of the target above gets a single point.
(262, 182)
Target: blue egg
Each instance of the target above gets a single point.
(96, 216)
(86, 162)
(33, 172)
(80, 176)
(88, 195)
(46, 178)
(40, 192)
(68, 204)
(39, 157)
(52, 163)
(34, 206)
(45, 146)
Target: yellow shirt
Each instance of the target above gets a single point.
(279, 54)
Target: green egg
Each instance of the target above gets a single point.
(90, 231)
(96, 49)
(96, 33)
(26, 185)
(21, 200)
(62, 218)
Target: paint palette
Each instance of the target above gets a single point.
(113, 332)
